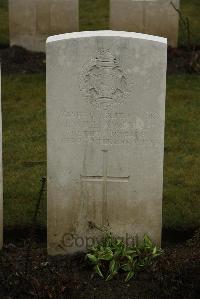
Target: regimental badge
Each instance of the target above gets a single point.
(103, 81)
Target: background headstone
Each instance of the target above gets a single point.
(32, 21)
(105, 136)
(156, 17)
(1, 175)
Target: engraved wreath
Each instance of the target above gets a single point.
(102, 80)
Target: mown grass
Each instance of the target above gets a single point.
(24, 136)
(94, 15)
(181, 208)
(190, 9)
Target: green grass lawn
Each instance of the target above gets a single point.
(24, 136)
(190, 9)
(94, 15)
(182, 159)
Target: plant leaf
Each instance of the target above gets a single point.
(98, 271)
(129, 275)
(154, 250)
(109, 277)
(106, 256)
(126, 267)
(112, 266)
(92, 258)
(147, 241)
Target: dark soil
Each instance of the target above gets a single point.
(19, 60)
(176, 274)
(182, 60)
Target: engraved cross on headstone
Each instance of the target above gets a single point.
(105, 179)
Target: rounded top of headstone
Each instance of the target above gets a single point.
(106, 33)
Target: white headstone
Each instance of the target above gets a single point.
(156, 17)
(1, 175)
(105, 136)
(32, 21)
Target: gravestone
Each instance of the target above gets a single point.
(32, 21)
(156, 17)
(1, 175)
(105, 137)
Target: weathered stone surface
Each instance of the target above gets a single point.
(1, 175)
(156, 17)
(32, 21)
(105, 128)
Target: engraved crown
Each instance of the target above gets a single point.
(106, 59)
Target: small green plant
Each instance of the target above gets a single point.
(112, 255)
